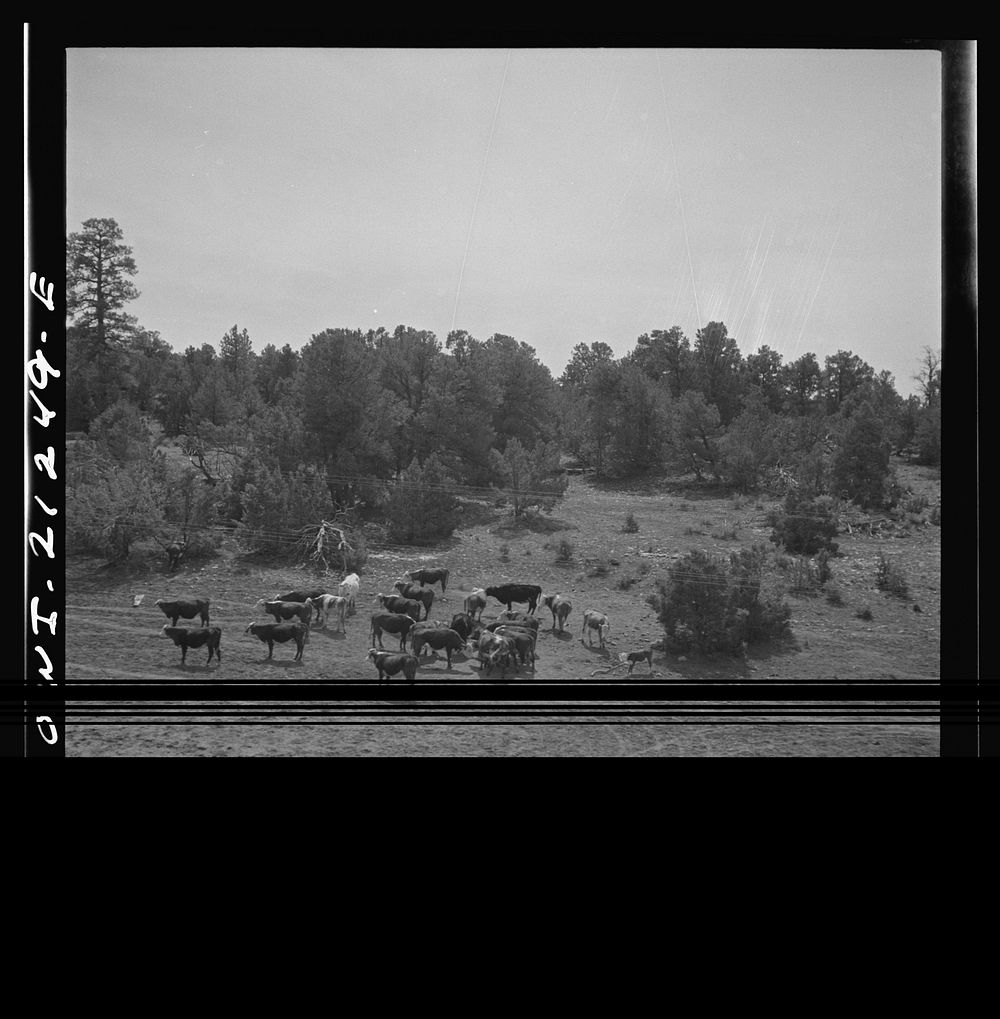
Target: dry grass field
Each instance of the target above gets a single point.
(109, 638)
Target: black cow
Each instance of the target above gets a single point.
(431, 577)
(389, 664)
(301, 596)
(272, 633)
(424, 595)
(441, 638)
(390, 622)
(196, 636)
(186, 607)
(399, 604)
(463, 624)
(303, 611)
(509, 593)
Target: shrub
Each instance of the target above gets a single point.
(565, 551)
(627, 583)
(710, 605)
(915, 505)
(600, 568)
(936, 516)
(631, 525)
(803, 576)
(890, 577)
(833, 595)
(804, 527)
(505, 553)
(420, 506)
(864, 613)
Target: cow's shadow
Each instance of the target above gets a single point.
(282, 663)
(188, 667)
(329, 634)
(564, 635)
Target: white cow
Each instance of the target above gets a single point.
(350, 588)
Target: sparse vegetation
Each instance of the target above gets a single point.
(864, 612)
(630, 526)
(565, 551)
(889, 577)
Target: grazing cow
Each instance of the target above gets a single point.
(509, 593)
(272, 633)
(196, 636)
(424, 595)
(493, 650)
(475, 602)
(350, 588)
(431, 577)
(389, 664)
(634, 657)
(560, 608)
(390, 622)
(186, 607)
(301, 596)
(439, 638)
(303, 611)
(175, 552)
(397, 603)
(463, 624)
(523, 641)
(326, 604)
(593, 620)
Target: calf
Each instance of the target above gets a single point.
(593, 620)
(523, 642)
(475, 602)
(439, 638)
(389, 664)
(185, 637)
(396, 603)
(272, 633)
(350, 588)
(327, 604)
(493, 650)
(634, 657)
(424, 595)
(303, 611)
(509, 593)
(301, 596)
(520, 618)
(560, 608)
(431, 577)
(390, 622)
(186, 607)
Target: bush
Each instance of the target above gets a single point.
(421, 506)
(565, 551)
(803, 576)
(600, 568)
(915, 505)
(710, 605)
(864, 612)
(505, 553)
(936, 516)
(804, 527)
(890, 577)
(833, 595)
(631, 525)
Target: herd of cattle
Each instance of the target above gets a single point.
(507, 642)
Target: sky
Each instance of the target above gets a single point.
(559, 196)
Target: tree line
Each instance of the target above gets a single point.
(392, 425)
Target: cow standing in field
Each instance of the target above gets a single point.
(389, 664)
(303, 611)
(350, 588)
(397, 603)
(186, 608)
(475, 602)
(431, 577)
(593, 620)
(327, 605)
(416, 592)
(560, 608)
(439, 638)
(634, 657)
(493, 650)
(280, 633)
(301, 596)
(390, 622)
(196, 636)
(509, 593)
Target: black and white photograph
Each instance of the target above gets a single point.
(498, 400)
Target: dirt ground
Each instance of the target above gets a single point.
(110, 638)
